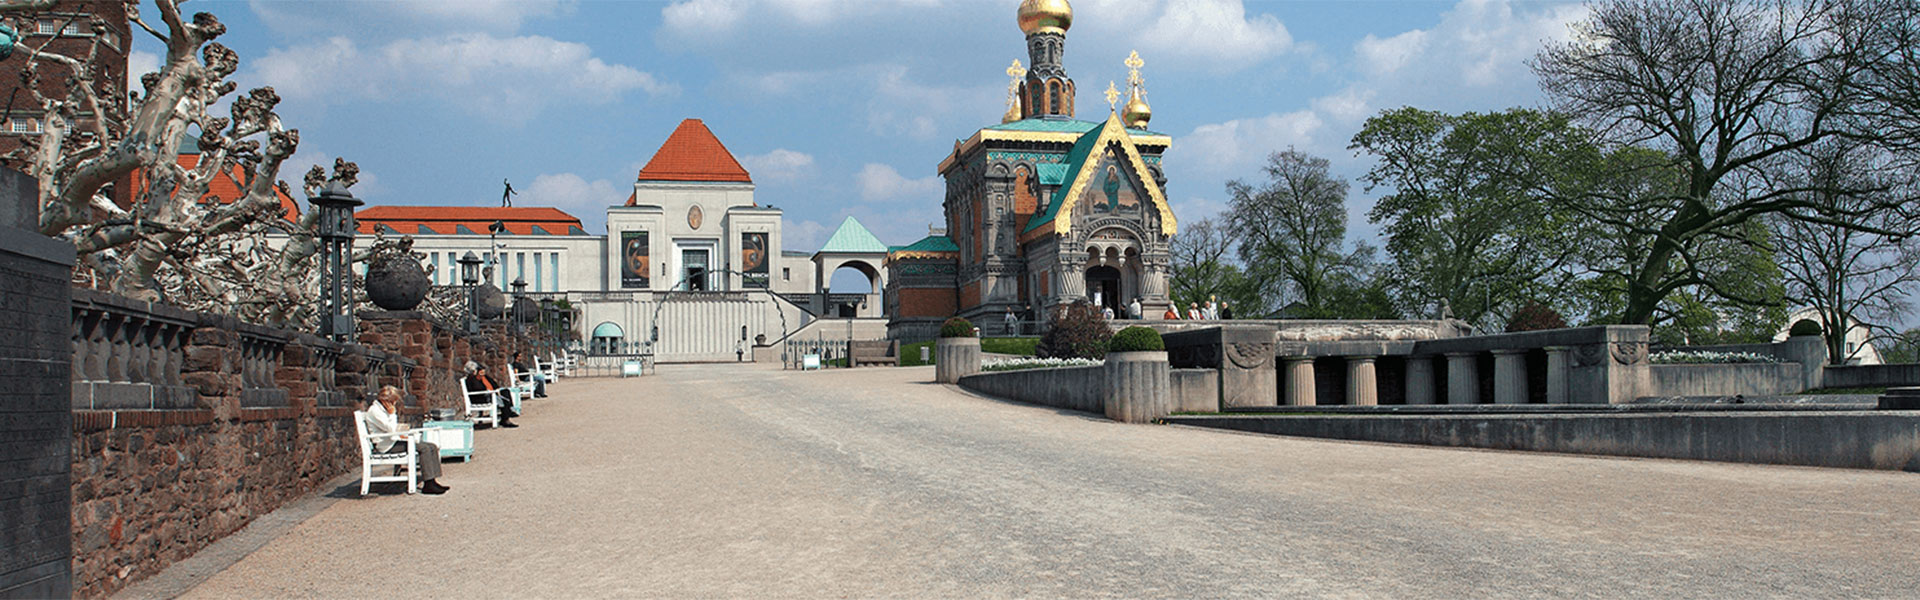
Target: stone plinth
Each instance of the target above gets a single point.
(1137, 387)
(1906, 398)
(1243, 355)
(954, 358)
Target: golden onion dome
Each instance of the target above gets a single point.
(1045, 16)
(1013, 114)
(1137, 113)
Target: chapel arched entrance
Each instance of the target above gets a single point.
(1104, 288)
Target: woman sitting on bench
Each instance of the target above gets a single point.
(381, 418)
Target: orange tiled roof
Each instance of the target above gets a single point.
(693, 154)
(224, 188)
(446, 220)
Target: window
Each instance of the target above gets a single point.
(23, 125)
(433, 260)
(786, 273)
(76, 25)
(112, 38)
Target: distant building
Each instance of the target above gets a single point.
(1043, 209)
(1859, 350)
(67, 29)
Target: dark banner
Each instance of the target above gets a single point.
(635, 263)
(753, 260)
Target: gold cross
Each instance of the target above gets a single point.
(1016, 71)
(1113, 96)
(1134, 63)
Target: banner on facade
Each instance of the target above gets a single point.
(753, 260)
(635, 260)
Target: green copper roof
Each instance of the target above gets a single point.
(851, 237)
(1060, 125)
(1051, 173)
(932, 243)
(1076, 160)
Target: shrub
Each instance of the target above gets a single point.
(1136, 339)
(1078, 331)
(956, 328)
(1535, 317)
(1805, 327)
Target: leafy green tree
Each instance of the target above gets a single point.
(1463, 221)
(1727, 90)
(1291, 231)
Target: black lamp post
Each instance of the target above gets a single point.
(470, 276)
(336, 230)
(519, 286)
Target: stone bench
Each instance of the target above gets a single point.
(879, 352)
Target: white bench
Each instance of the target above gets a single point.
(482, 406)
(403, 460)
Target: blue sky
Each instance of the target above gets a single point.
(837, 107)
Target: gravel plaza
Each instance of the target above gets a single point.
(749, 481)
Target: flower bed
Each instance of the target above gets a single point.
(1708, 357)
(1017, 364)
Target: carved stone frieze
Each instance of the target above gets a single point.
(1250, 355)
(1589, 355)
(1629, 353)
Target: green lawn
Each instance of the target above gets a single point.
(1022, 346)
(1836, 391)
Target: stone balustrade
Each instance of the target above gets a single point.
(129, 354)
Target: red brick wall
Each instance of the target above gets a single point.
(970, 295)
(927, 303)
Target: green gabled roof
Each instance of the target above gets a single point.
(1051, 173)
(932, 243)
(1076, 160)
(1060, 125)
(853, 238)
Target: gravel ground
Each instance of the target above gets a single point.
(747, 481)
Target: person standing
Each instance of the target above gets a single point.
(1213, 307)
(1012, 320)
(1134, 311)
(1226, 312)
(1193, 311)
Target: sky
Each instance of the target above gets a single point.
(841, 107)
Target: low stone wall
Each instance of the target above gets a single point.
(1857, 439)
(1079, 388)
(1754, 379)
(1859, 376)
(1196, 390)
(1074, 388)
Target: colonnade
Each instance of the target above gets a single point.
(1463, 378)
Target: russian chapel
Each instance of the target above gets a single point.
(1044, 209)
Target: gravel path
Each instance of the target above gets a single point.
(745, 481)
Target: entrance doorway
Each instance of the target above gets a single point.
(693, 264)
(1103, 286)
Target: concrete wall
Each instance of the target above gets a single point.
(1854, 376)
(1858, 440)
(1755, 379)
(35, 361)
(1075, 388)
(1196, 390)
(1078, 388)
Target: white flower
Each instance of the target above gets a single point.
(1016, 364)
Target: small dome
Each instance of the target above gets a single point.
(1045, 16)
(1137, 113)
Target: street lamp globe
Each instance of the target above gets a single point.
(470, 268)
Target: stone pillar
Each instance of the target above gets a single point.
(1362, 387)
(1241, 354)
(36, 410)
(954, 358)
(1811, 352)
(1557, 375)
(1509, 376)
(1300, 384)
(1138, 387)
(1463, 378)
(1420, 380)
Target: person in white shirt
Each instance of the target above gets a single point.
(1107, 311)
(1193, 311)
(381, 418)
(1213, 308)
(1134, 311)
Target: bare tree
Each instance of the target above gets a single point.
(166, 243)
(1849, 275)
(1728, 89)
(1202, 265)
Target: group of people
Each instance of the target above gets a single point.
(383, 417)
(1215, 310)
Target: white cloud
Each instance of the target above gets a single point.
(779, 165)
(1386, 56)
(903, 106)
(498, 13)
(805, 236)
(1351, 104)
(882, 182)
(1217, 32)
(1238, 145)
(587, 200)
(510, 79)
(703, 17)
(140, 62)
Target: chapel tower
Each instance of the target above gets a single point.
(1047, 92)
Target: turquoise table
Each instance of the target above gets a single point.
(455, 438)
